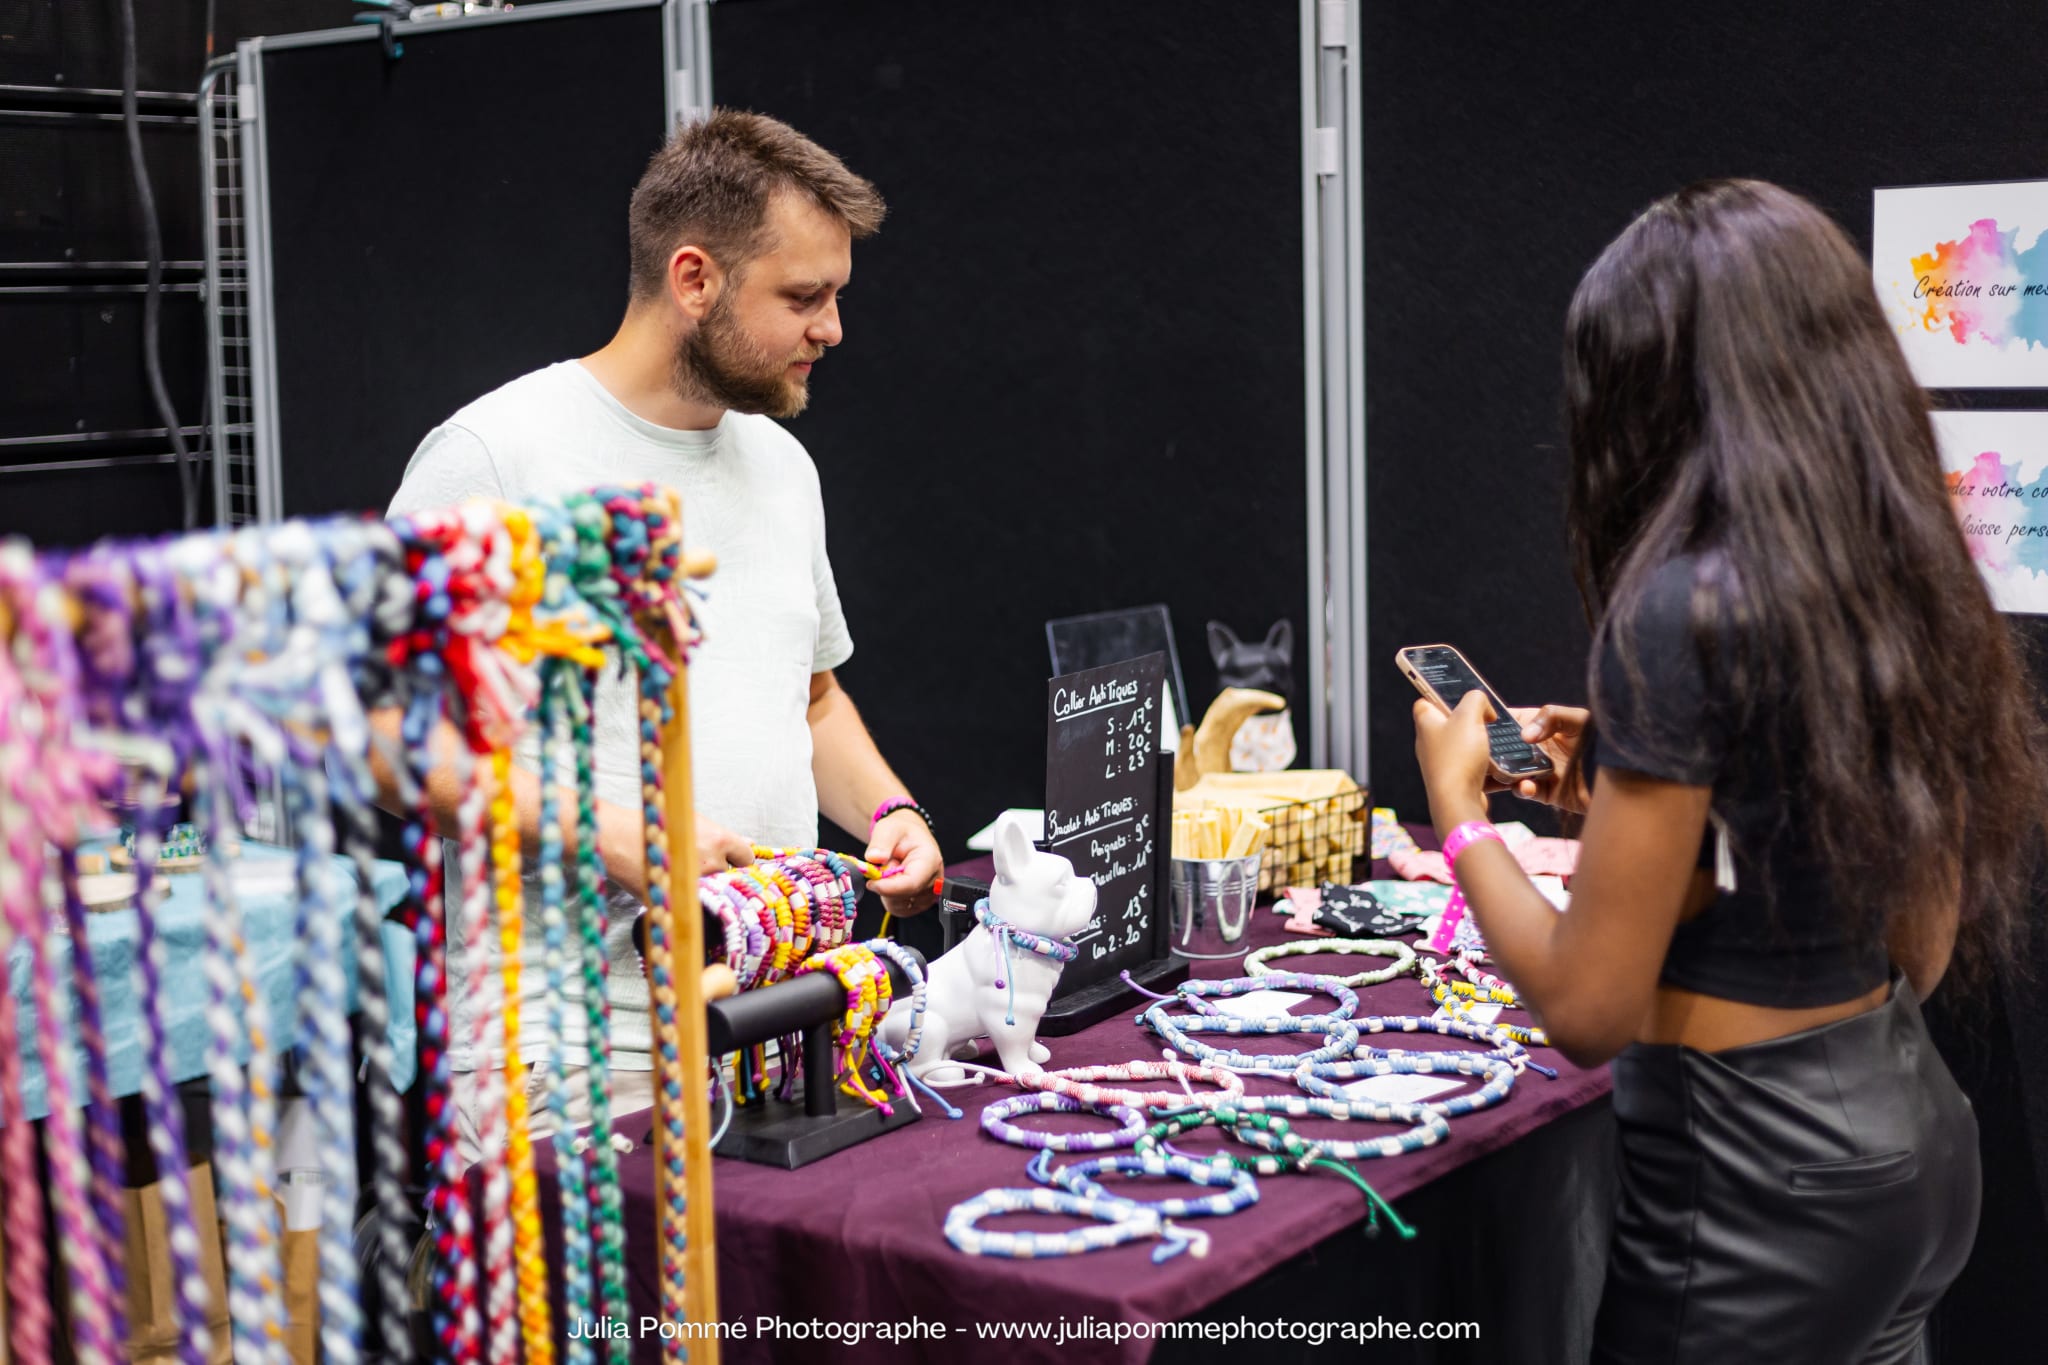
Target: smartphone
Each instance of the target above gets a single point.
(1441, 673)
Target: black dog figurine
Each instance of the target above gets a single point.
(1263, 744)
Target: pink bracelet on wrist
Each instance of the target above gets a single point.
(1461, 838)
(1466, 835)
(891, 806)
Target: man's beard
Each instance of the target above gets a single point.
(718, 363)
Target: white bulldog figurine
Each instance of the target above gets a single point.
(997, 980)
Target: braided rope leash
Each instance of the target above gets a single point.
(529, 1254)
(575, 1210)
(106, 678)
(646, 554)
(488, 688)
(244, 1103)
(387, 1113)
(313, 701)
(296, 705)
(29, 1320)
(49, 793)
(422, 680)
(607, 1202)
(523, 642)
(70, 780)
(167, 669)
(562, 612)
(590, 578)
(497, 1290)
(655, 713)
(377, 610)
(104, 1130)
(252, 747)
(322, 995)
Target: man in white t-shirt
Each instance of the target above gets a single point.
(741, 232)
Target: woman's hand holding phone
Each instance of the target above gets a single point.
(1556, 731)
(1452, 751)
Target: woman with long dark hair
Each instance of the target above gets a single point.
(1811, 775)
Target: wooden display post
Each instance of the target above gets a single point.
(686, 933)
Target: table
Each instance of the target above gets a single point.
(269, 903)
(858, 1236)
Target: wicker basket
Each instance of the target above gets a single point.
(1314, 841)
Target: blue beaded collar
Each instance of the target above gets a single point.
(1060, 950)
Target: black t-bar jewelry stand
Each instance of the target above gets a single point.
(774, 1133)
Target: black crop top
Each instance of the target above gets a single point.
(1782, 937)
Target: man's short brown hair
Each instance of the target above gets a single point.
(712, 183)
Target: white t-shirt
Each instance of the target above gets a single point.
(770, 616)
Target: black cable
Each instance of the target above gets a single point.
(152, 298)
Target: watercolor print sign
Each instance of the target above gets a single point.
(1997, 469)
(1962, 273)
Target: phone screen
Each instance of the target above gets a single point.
(1446, 671)
(1450, 677)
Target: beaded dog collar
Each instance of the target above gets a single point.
(1057, 949)
(1080, 1177)
(1459, 1008)
(995, 1121)
(1326, 1081)
(1174, 1029)
(1080, 1083)
(1121, 1221)
(1060, 950)
(1403, 955)
(1429, 1127)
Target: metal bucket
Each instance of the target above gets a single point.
(1212, 904)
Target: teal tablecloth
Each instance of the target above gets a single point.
(269, 909)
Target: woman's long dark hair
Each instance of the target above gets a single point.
(1733, 391)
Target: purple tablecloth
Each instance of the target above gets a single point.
(857, 1237)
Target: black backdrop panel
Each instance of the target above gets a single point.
(53, 509)
(442, 224)
(74, 364)
(76, 44)
(1505, 145)
(66, 191)
(1072, 373)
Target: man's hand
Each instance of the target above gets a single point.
(718, 848)
(622, 848)
(903, 844)
(851, 778)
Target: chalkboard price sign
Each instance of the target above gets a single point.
(1102, 785)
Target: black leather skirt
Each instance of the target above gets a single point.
(1805, 1199)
